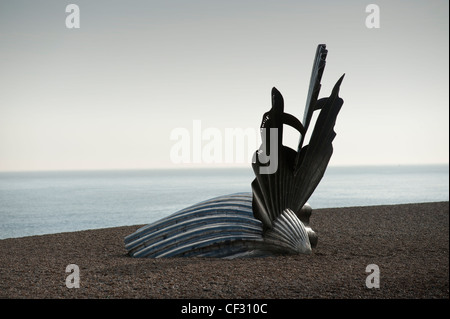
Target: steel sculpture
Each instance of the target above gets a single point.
(274, 217)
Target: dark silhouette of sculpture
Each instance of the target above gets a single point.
(299, 172)
(274, 218)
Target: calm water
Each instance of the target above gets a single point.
(33, 203)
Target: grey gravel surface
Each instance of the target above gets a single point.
(409, 243)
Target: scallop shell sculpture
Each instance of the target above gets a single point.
(274, 217)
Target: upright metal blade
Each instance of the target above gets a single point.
(313, 93)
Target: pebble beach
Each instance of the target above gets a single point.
(408, 243)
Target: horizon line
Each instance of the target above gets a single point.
(204, 167)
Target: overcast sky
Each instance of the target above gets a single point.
(108, 94)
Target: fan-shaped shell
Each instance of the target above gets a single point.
(288, 234)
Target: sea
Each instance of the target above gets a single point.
(36, 203)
